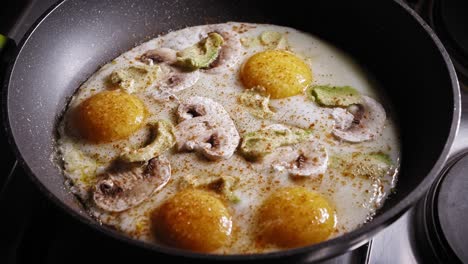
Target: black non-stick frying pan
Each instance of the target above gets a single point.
(75, 37)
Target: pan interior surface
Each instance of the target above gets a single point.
(77, 37)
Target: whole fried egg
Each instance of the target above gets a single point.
(140, 141)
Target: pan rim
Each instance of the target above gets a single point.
(324, 250)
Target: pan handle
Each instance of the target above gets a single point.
(3, 41)
(5, 45)
(7, 48)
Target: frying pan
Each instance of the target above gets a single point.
(74, 38)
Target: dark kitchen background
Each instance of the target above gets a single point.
(33, 230)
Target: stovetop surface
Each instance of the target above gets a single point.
(45, 234)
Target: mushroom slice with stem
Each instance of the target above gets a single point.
(207, 128)
(306, 159)
(119, 191)
(198, 106)
(171, 78)
(343, 118)
(360, 122)
(174, 80)
(160, 55)
(214, 137)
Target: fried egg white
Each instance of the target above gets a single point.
(355, 199)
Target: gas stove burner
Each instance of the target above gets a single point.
(449, 20)
(443, 213)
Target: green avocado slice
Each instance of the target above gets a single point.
(255, 145)
(202, 54)
(367, 165)
(134, 78)
(333, 96)
(164, 139)
(256, 103)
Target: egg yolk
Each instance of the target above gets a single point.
(193, 219)
(109, 116)
(280, 73)
(294, 217)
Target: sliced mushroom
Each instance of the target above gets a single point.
(171, 79)
(189, 111)
(160, 55)
(176, 80)
(194, 133)
(368, 121)
(343, 118)
(214, 138)
(197, 106)
(122, 190)
(230, 52)
(305, 159)
(206, 128)
(163, 140)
